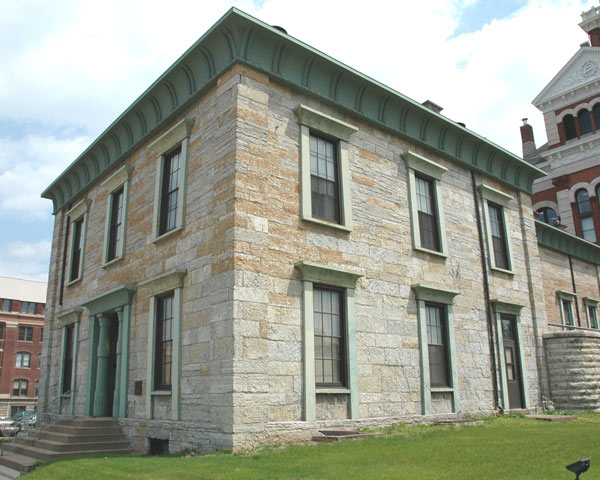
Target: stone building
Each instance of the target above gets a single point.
(268, 243)
(22, 304)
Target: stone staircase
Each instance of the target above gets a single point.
(67, 438)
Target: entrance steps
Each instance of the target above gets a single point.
(77, 436)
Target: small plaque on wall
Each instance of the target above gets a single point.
(137, 387)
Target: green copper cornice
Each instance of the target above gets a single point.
(240, 38)
(561, 241)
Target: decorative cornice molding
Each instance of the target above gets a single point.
(563, 242)
(340, 277)
(164, 282)
(238, 38)
(69, 316)
(495, 196)
(430, 293)
(423, 165)
(500, 306)
(111, 300)
(118, 178)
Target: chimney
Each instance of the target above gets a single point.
(590, 23)
(527, 139)
(432, 106)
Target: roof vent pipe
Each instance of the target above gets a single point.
(281, 29)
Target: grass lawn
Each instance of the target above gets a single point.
(500, 448)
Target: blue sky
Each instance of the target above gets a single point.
(72, 66)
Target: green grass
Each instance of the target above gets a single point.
(500, 448)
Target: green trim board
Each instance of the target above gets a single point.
(314, 273)
(514, 310)
(428, 293)
(238, 38)
(564, 242)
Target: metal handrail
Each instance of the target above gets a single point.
(573, 327)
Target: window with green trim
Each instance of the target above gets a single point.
(437, 345)
(163, 356)
(68, 358)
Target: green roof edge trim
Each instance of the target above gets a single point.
(240, 38)
(567, 243)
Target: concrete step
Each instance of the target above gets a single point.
(8, 473)
(73, 430)
(45, 454)
(89, 422)
(16, 461)
(75, 438)
(79, 446)
(339, 435)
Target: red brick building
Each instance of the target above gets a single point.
(569, 196)
(22, 304)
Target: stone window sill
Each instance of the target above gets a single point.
(325, 223)
(333, 391)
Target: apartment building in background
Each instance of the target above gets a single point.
(22, 307)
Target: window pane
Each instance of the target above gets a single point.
(324, 179)
(437, 347)
(164, 342)
(585, 121)
(498, 235)
(329, 342)
(76, 249)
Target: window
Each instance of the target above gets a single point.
(437, 345)
(325, 175)
(565, 301)
(163, 377)
(547, 215)
(586, 219)
(427, 214)
(163, 356)
(570, 130)
(115, 236)
(325, 192)
(41, 334)
(5, 305)
(2, 328)
(591, 310)
(437, 350)
(25, 334)
(329, 336)
(171, 167)
(39, 360)
(23, 360)
(68, 358)
(596, 112)
(28, 308)
(36, 388)
(78, 216)
(499, 249)
(498, 234)
(20, 388)
(585, 121)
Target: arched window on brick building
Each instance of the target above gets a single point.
(585, 121)
(570, 130)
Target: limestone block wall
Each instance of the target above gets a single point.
(583, 280)
(573, 358)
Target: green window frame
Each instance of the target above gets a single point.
(115, 233)
(78, 216)
(497, 228)
(171, 149)
(591, 311)
(566, 301)
(324, 169)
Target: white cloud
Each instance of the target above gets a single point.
(26, 260)
(28, 165)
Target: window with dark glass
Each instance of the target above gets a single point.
(596, 113)
(427, 210)
(437, 345)
(115, 229)
(36, 388)
(330, 351)
(5, 305)
(163, 357)
(28, 307)
(593, 316)
(586, 219)
(570, 130)
(23, 360)
(41, 334)
(585, 121)
(169, 192)
(498, 231)
(20, 388)
(547, 215)
(567, 306)
(2, 328)
(39, 360)
(68, 359)
(76, 249)
(324, 179)
(25, 334)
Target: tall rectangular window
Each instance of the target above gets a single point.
(498, 233)
(20, 388)
(592, 312)
(437, 345)
(164, 342)
(567, 310)
(169, 192)
(427, 212)
(115, 229)
(41, 334)
(28, 308)
(5, 305)
(23, 360)
(25, 334)
(68, 359)
(329, 336)
(324, 179)
(76, 250)
(2, 328)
